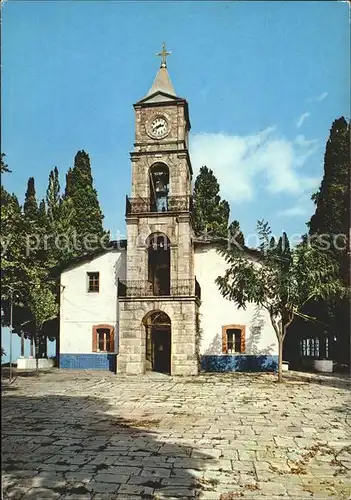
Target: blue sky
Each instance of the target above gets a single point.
(264, 81)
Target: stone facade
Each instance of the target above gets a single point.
(175, 224)
(171, 150)
(132, 347)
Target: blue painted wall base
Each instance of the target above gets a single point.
(92, 361)
(241, 363)
(211, 363)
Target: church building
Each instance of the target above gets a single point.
(150, 302)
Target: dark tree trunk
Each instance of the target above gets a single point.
(36, 353)
(31, 353)
(22, 344)
(42, 346)
(280, 360)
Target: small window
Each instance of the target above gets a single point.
(93, 282)
(233, 339)
(103, 338)
(309, 347)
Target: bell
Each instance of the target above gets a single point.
(160, 187)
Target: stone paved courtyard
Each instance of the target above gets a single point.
(86, 435)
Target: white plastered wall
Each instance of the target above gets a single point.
(215, 311)
(80, 309)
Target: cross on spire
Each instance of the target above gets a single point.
(164, 55)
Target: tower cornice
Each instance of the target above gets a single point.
(178, 101)
(181, 153)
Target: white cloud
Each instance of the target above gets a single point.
(294, 211)
(302, 118)
(322, 96)
(319, 98)
(302, 206)
(252, 164)
(301, 140)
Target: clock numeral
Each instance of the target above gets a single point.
(159, 127)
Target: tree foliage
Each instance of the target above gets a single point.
(330, 226)
(80, 194)
(211, 213)
(14, 265)
(53, 198)
(42, 302)
(3, 166)
(281, 279)
(332, 200)
(43, 305)
(235, 234)
(30, 207)
(36, 238)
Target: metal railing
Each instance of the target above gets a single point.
(172, 204)
(143, 288)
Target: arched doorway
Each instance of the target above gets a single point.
(159, 263)
(158, 341)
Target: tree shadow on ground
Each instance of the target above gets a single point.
(5, 372)
(76, 447)
(339, 381)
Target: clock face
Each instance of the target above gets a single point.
(159, 127)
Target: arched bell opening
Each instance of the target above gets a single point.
(158, 341)
(159, 187)
(159, 263)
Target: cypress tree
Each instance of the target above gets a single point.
(30, 207)
(332, 220)
(40, 258)
(211, 213)
(42, 213)
(235, 233)
(82, 201)
(68, 190)
(53, 198)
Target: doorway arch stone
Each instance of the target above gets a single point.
(158, 334)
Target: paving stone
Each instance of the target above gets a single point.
(15, 493)
(73, 496)
(110, 478)
(155, 472)
(225, 434)
(246, 455)
(45, 480)
(102, 487)
(130, 489)
(178, 492)
(272, 488)
(41, 493)
(124, 470)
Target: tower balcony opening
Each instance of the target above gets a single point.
(144, 288)
(159, 187)
(173, 204)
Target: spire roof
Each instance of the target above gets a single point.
(162, 83)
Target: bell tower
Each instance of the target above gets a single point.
(159, 301)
